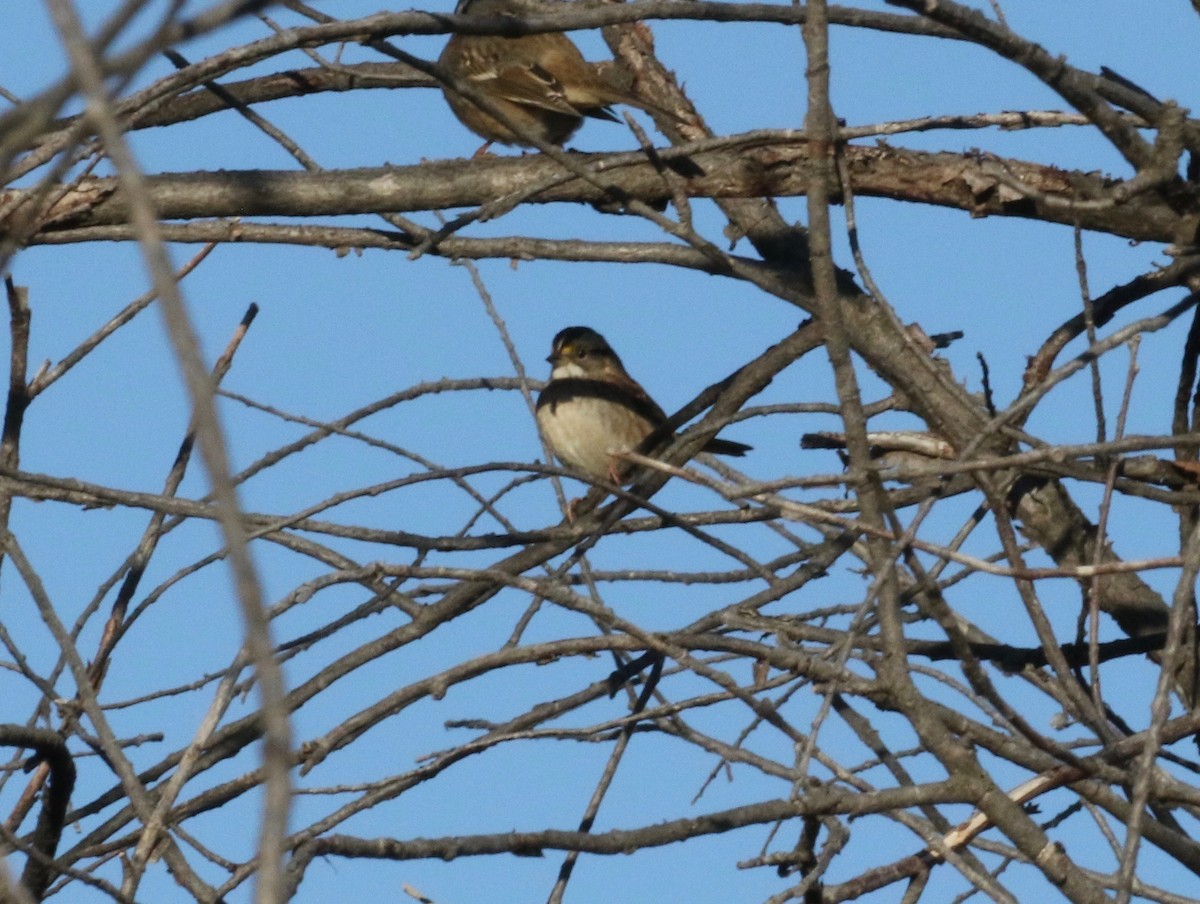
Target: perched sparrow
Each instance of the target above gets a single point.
(541, 82)
(592, 410)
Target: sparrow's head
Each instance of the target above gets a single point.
(579, 351)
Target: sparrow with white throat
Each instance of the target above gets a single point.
(591, 411)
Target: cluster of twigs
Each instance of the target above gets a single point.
(886, 700)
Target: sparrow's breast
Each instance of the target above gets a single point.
(586, 425)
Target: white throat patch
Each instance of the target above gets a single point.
(567, 370)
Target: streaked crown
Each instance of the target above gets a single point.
(580, 343)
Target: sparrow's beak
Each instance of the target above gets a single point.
(554, 357)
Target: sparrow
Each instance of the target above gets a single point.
(591, 411)
(541, 82)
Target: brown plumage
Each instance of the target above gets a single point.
(540, 82)
(591, 410)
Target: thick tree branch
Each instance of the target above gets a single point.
(757, 166)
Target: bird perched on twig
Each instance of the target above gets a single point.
(591, 411)
(541, 82)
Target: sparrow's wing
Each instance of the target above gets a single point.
(639, 398)
(548, 72)
(715, 445)
(532, 86)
